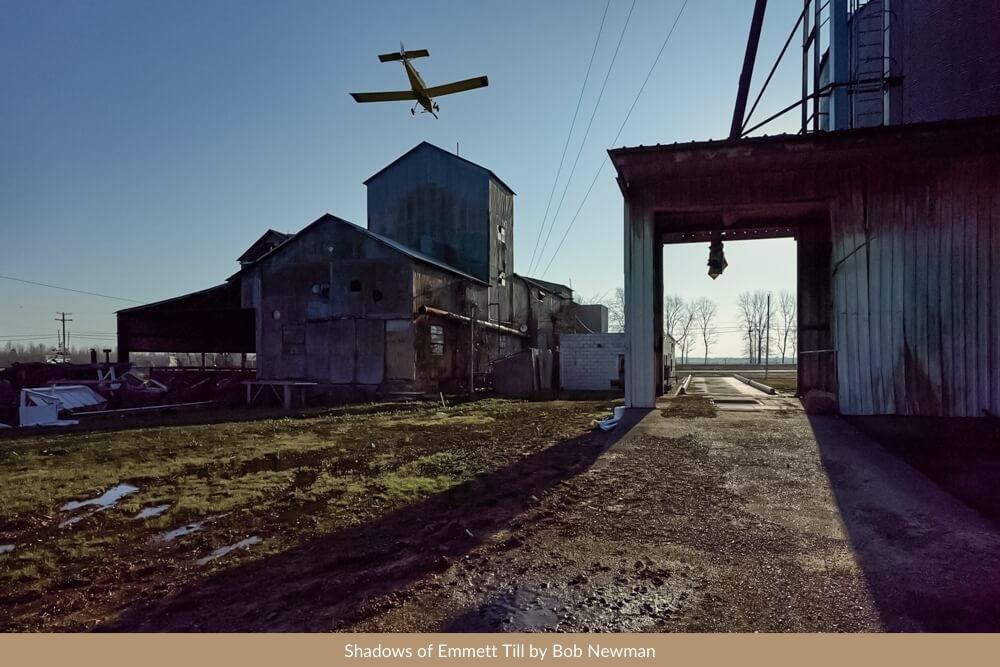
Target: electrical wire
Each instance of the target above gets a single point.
(615, 140)
(586, 134)
(572, 125)
(68, 289)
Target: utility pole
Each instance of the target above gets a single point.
(767, 345)
(64, 345)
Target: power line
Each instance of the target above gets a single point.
(572, 125)
(586, 134)
(615, 140)
(68, 289)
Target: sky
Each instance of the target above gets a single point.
(145, 145)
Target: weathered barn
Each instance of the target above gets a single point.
(339, 304)
(898, 232)
(425, 299)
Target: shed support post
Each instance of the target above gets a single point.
(640, 291)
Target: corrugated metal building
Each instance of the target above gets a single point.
(898, 233)
(896, 212)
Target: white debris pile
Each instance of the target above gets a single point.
(612, 421)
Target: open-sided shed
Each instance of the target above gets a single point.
(210, 320)
(898, 232)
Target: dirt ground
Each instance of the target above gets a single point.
(498, 515)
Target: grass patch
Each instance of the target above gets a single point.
(287, 480)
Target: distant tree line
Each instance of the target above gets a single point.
(693, 323)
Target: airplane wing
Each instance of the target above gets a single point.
(419, 53)
(387, 96)
(458, 86)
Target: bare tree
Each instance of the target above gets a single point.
(786, 322)
(673, 312)
(748, 322)
(616, 310)
(705, 312)
(685, 330)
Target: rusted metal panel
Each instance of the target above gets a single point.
(370, 347)
(400, 361)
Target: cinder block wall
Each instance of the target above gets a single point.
(589, 362)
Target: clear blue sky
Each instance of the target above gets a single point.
(145, 145)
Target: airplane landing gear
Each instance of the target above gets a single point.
(436, 107)
(412, 112)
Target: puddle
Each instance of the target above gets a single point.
(222, 551)
(192, 527)
(107, 499)
(7, 548)
(172, 535)
(150, 512)
(80, 517)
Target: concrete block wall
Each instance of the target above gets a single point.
(589, 362)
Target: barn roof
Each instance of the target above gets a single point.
(427, 144)
(395, 245)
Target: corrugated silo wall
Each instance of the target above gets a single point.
(916, 288)
(946, 53)
(437, 204)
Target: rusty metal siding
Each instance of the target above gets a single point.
(315, 335)
(501, 249)
(437, 204)
(916, 289)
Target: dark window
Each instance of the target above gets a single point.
(437, 339)
(377, 296)
(355, 285)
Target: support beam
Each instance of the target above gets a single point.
(641, 360)
(840, 64)
(749, 59)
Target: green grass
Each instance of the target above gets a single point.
(285, 479)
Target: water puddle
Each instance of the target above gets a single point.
(150, 512)
(7, 548)
(107, 499)
(222, 551)
(172, 535)
(192, 527)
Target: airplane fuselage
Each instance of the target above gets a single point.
(418, 86)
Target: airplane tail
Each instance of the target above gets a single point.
(409, 55)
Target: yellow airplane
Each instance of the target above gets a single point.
(418, 89)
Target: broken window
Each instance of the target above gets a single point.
(437, 339)
(502, 279)
(501, 234)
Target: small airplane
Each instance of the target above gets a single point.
(419, 91)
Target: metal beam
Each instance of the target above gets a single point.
(840, 65)
(749, 59)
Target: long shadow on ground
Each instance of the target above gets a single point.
(929, 559)
(332, 581)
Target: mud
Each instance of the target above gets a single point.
(690, 520)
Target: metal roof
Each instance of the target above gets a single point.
(449, 154)
(395, 245)
(70, 396)
(784, 151)
(553, 288)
